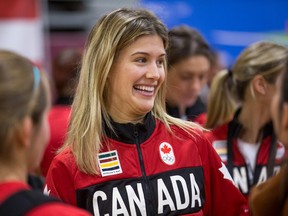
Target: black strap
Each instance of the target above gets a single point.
(234, 128)
(23, 201)
(272, 155)
(36, 182)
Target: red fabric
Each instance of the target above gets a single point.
(15, 9)
(9, 188)
(49, 209)
(221, 196)
(58, 122)
(218, 133)
(201, 119)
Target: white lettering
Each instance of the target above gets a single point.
(240, 180)
(103, 196)
(276, 170)
(162, 190)
(174, 180)
(132, 198)
(195, 192)
(263, 175)
(117, 199)
(177, 198)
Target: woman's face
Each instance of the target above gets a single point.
(135, 78)
(185, 80)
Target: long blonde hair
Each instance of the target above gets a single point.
(111, 33)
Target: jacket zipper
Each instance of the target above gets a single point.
(150, 206)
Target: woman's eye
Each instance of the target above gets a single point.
(185, 77)
(160, 63)
(141, 60)
(202, 77)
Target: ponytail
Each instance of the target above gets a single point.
(221, 105)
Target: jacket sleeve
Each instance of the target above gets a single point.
(59, 182)
(222, 195)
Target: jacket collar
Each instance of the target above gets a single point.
(191, 112)
(127, 133)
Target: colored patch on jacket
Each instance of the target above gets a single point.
(220, 147)
(109, 163)
(166, 153)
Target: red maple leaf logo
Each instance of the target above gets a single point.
(166, 149)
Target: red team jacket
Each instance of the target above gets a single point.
(48, 209)
(149, 171)
(201, 119)
(268, 161)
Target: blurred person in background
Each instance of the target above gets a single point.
(271, 197)
(247, 144)
(124, 155)
(189, 61)
(24, 105)
(65, 67)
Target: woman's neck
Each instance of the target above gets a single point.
(252, 118)
(13, 173)
(122, 119)
(182, 110)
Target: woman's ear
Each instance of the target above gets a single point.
(259, 84)
(26, 132)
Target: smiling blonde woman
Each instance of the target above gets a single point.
(124, 155)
